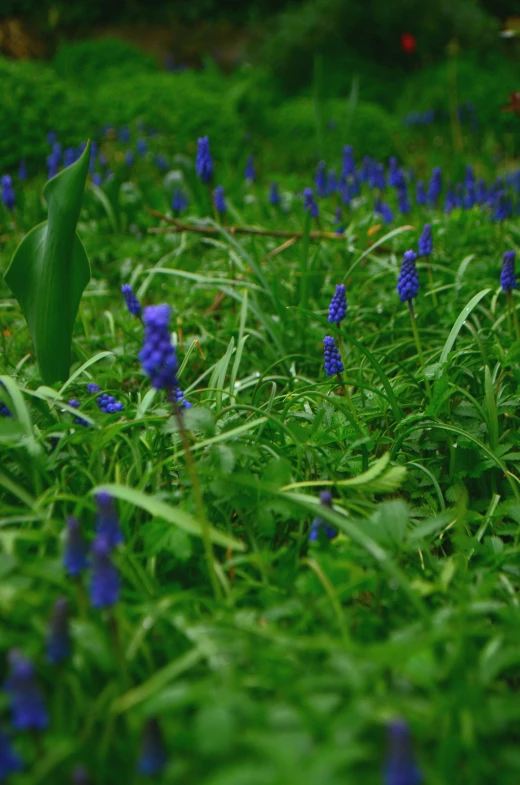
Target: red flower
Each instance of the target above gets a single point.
(408, 43)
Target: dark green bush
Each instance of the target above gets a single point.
(89, 62)
(34, 101)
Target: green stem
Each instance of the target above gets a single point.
(418, 345)
(199, 503)
(512, 317)
(430, 280)
(352, 409)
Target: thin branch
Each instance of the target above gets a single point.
(179, 226)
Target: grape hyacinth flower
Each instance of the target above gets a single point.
(124, 135)
(320, 180)
(107, 524)
(481, 194)
(132, 303)
(75, 404)
(426, 241)
(219, 200)
(181, 400)
(338, 217)
(274, 194)
(97, 179)
(69, 156)
(51, 137)
(384, 210)
(27, 704)
(345, 193)
(249, 172)
(435, 185)
(338, 305)
(75, 551)
(400, 768)
(141, 147)
(53, 164)
(507, 276)
(104, 582)
(108, 404)
(8, 197)
(420, 193)
(403, 200)
(309, 203)
(158, 356)
(129, 157)
(349, 166)
(204, 162)
(153, 756)
(92, 387)
(503, 207)
(408, 281)
(179, 200)
(58, 639)
(377, 177)
(332, 182)
(394, 175)
(4, 411)
(332, 358)
(22, 171)
(9, 760)
(161, 162)
(319, 525)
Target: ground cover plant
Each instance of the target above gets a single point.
(264, 527)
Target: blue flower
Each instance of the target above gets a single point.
(320, 179)
(69, 156)
(219, 200)
(8, 197)
(124, 135)
(22, 171)
(349, 166)
(384, 210)
(508, 276)
(153, 756)
(141, 146)
(400, 768)
(470, 176)
(53, 164)
(482, 193)
(435, 186)
(108, 404)
(107, 521)
(75, 552)
(27, 704)
(338, 304)
(274, 194)
(9, 759)
(161, 162)
(75, 404)
(503, 206)
(58, 639)
(158, 356)
(97, 179)
(332, 182)
(408, 281)
(204, 162)
(332, 357)
(377, 177)
(420, 193)
(309, 203)
(319, 525)
(403, 200)
(51, 137)
(104, 582)
(250, 173)
(92, 387)
(179, 200)
(132, 303)
(395, 175)
(426, 241)
(129, 157)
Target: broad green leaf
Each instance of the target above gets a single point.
(452, 337)
(50, 269)
(174, 515)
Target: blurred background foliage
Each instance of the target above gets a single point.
(305, 76)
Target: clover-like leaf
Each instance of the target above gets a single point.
(50, 269)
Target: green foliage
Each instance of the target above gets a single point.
(34, 101)
(50, 269)
(91, 61)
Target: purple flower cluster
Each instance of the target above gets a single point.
(75, 551)
(179, 201)
(274, 194)
(408, 281)
(319, 525)
(59, 644)
(338, 304)
(132, 303)
(7, 192)
(10, 761)
(27, 705)
(219, 200)
(310, 203)
(158, 356)
(204, 162)
(107, 520)
(426, 241)
(153, 756)
(400, 768)
(508, 276)
(250, 172)
(108, 404)
(332, 358)
(104, 584)
(75, 404)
